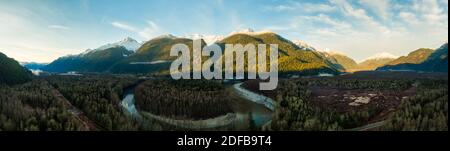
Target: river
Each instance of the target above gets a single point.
(260, 107)
(128, 102)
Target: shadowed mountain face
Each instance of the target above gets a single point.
(11, 72)
(436, 61)
(34, 65)
(93, 61)
(439, 56)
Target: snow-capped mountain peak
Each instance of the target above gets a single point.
(128, 39)
(383, 55)
(209, 39)
(249, 31)
(303, 45)
(169, 36)
(128, 43)
(246, 30)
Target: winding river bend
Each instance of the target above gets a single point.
(128, 102)
(260, 107)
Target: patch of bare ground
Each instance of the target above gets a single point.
(343, 101)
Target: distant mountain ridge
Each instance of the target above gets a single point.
(128, 43)
(378, 60)
(93, 61)
(33, 65)
(345, 62)
(295, 57)
(209, 39)
(153, 56)
(415, 57)
(437, 61)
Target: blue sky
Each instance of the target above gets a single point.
(44, 30)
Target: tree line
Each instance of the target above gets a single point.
(183, 99)
(98, 97)
(32, 107)
(427, 110)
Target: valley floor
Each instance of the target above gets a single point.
(357, 102)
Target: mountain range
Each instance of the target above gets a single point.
(95, 60)
(129, 44)
(295, 57)
(422, 60)
(293, 60)
(376, 61)
(92, 61)
(153, 55)
(209, 39)
(33, 65)
(415, 57)
(343, 62)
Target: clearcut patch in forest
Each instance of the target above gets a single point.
(345, 100)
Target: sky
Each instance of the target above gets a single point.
(43, 30)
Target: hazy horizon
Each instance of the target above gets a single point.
(42, 31)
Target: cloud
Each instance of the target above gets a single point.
(326, 32)
(359, 28)
(123, 26)
(325, 19)
(349, 10)
(409, 18)
(366, 22)
(425, 18)
(302, 7)
(379, 7)
(320, 24)
(150, 31)
(430, 10)
(60, 27)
